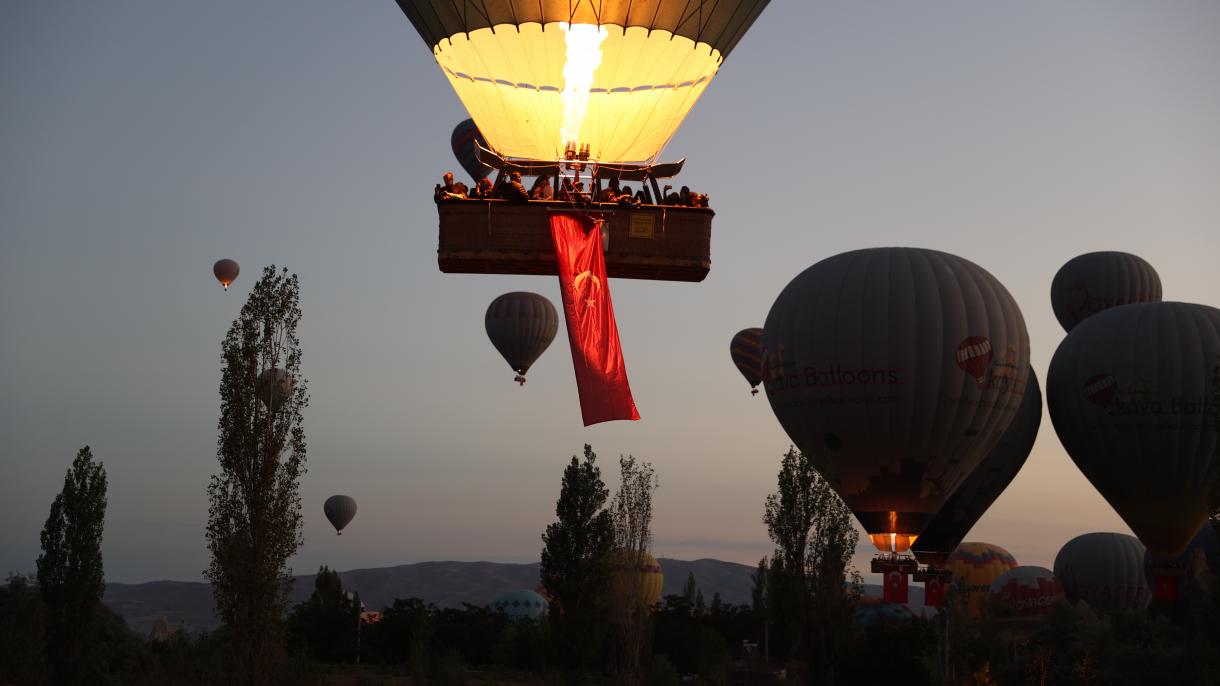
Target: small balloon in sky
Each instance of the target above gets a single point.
(226, 271)
(340, 510)
(521, 325)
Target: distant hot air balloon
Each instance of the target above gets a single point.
(522, 604)
(1132, 393)
(966, 506)
(226, 272)
(614, 77)
(465, 136)
(975, 566)
(1096, 281)
(871, 609)
(645, 574)
(1025, 592)
(521, 325)
(897, 370)
(340, 509)
(273, 386)
(1105, 570)
(747, 353)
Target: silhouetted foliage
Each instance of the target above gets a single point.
(254, 517)
(70, 574)
(325, 627)
(631, 512)
(574, 570)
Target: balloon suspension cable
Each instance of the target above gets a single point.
(753, 391)
(519, 379)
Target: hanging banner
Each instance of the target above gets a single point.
(597, 356)
(895, 590)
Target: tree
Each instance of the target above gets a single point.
(575, 554)
(810, 576)
(70, 574)
(325, 626)
(254, 517)
(632, 513)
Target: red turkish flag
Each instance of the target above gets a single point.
(601, 374)
(1165, 587)
(934, 592)
(895, 586)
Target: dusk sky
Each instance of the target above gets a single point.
(141, 140)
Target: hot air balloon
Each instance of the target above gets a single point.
(1132, 394)
(746, 351)
(523, 604)
(975, 566)
(1025, 592)
(465, 138)
(648, 579)
(870, 609)
(557, 87)
(872, 369)
(1170, 577)
(340, 509)
(966, 506)
(226, 272)
(1096, 281)
(1105, 570)
(273, 386)
(521, 325)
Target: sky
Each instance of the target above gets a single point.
(141, 140)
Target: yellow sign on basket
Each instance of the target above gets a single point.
(643, 225)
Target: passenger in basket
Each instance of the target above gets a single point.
(513, 191)
(482, 190)
(541, 189)
(448, 191)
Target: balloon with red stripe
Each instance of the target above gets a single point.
(746, 349)
(465, 136)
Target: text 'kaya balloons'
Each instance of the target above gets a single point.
(618, 76)
(521, 325)
(1132, 392)
(1096, 281)
(746, 349)
(226, 272)
(1105, 570)
(998, 468)
(897, 370)
(340, 509)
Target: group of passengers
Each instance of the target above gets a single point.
(510, 188)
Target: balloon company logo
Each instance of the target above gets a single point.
(1084, 303)
(1025, 599)
(976, 357)
(780, 374)
(1137, 399)
(585, 286)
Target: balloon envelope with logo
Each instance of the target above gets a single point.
(1096, 281)
(975, 566)
(520, 604)
(1026, 591)
(1132, 394)
(897, 370)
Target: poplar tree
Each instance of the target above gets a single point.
(254, 516)
(632, 514)
(70, 575)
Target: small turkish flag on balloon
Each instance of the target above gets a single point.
(895, 587)
(934, 592)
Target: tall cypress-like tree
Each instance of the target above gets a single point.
(632, 514)
(254, 517)
(70, 572)
(575, 554)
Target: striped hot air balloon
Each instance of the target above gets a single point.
(340, 510)
(1096, 281)
(975, 566)
(644, 572)
(1105, 570)
(465, 136)
(746, 349)
(521, 325)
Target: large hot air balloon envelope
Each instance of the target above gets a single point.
(1026, 591)
(975, 566)
(226, 272)
(747, 353)
(966, 506)
(897, 370)
(618, 76)
(521, 325)
(1096, 281)
(464, 139)
(522, 604)
(1132, 393)
(340, 509)
(1105, 570)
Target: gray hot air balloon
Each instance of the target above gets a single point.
(896, 369)
(225, 272)
(340, 509)
(273, 393)
(1104, 570)
(1096, 281)
(968, 503)
(521, 325)
(1132, 392)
